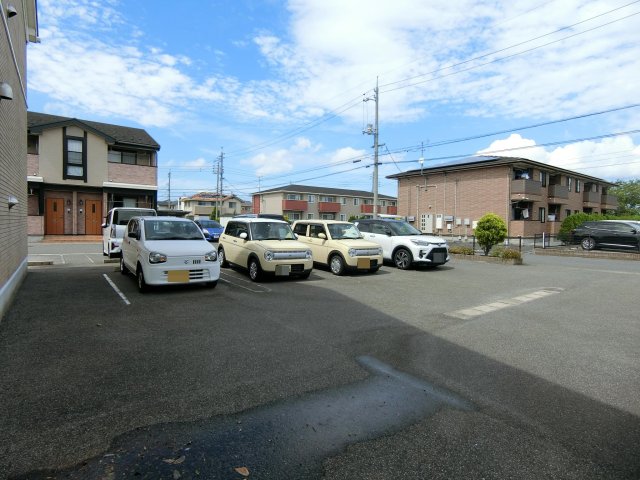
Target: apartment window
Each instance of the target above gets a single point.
(328, 216)
(294, 196)
(74, 164)
(293, 216)
(232, 205)
(343, 217)
(542, 214)
(392, 203)
(577, 185)
(543, 178)
(309, 216)
(324, 198)
(356, 202)
(311, 199)
(382, 203)
(569, 183)
(343, 201)
(130, 157)
(567, 212)
(32, 144)
(367, 201)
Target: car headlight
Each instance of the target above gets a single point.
(352, 252)
(380, 251)
(422, 243)
(157, 257)
(268, 255)
(308, 254)
(211, 256)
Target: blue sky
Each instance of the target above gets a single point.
(280, 86)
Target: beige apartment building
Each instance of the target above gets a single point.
(18, 27)
(531, 197)
(203, 203)
(79, 169)
(301, 202)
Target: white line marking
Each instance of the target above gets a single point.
(89, 258)
(500, 304)
(265, 289)
(117, 290)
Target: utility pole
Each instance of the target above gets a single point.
(219, 181)
(169, 206)
(374, 131)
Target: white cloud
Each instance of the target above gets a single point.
(611, 158)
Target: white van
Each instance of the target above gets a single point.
(115, 225)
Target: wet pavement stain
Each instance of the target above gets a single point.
(285, 440)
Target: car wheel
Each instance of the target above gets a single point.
(211, 284)
(255, 272)
(142, 284)
(222, 259)
(588, 243)
(123, 267)
(336, 264)
(402, 258)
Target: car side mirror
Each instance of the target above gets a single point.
(388, 232)
(322, 236)
(243, 235)
(104, 225)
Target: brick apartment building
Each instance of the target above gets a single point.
(18, 27)
(78, 169)
(531, 197)
(299, 202)
(202, 204)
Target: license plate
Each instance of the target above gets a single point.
(181, 276)
(283, 270)
(364, 263)
(438, 257)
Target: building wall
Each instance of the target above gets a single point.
(137, 174)
(13, 151)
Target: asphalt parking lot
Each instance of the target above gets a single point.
(471, 370)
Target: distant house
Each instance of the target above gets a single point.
(19, 20)
(203, 203)
(531, 197)
(299, 202)
(79, 169)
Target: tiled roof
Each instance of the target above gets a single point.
(323, 191)
(37, 122)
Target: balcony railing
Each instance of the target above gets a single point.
(524, 188)
(609, 202)
(366, 208)
(558, 192)
(295, 205)
(592, 198)
(328, 207)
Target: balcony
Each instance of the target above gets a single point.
(366, 208)
(392, 210)
(294, 205)
(328, 207)
(591, 199)
(609, 202)
(558, 193)
(524, 189)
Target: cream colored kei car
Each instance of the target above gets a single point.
(264, 246)
(339, 245)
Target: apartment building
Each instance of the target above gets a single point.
(298, 202)
(79, 169)
(18, 27)
(531, 197)
(203, 203)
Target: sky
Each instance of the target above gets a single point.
(283, 90)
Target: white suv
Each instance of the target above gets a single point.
(403, 244)
(263, 245)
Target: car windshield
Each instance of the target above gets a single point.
(171, 230)
(340, 231)
(210, 224)
(271, 231)
(403, 228)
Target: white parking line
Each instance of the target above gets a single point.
(467, 313)
(238, 279)
(117, 290)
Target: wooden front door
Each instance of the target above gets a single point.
(93, 217)
(54, 213)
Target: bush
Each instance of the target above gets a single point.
(460, 250)
(490, 231)
(505, 253)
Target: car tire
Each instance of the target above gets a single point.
(588, 243)
(255, 271)
(402, 258)
(222, 258)
(123, 267)
(142, 284)
(336, 264)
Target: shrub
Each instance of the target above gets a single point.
(490, 231)
(511, 254)
(461, 250)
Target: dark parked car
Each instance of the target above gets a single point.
(211, 229)
(623, 234)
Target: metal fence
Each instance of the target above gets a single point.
(522, 244)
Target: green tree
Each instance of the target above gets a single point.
(490, 231)
(628, 193)
(214, 214)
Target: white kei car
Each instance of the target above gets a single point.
(168, 251)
